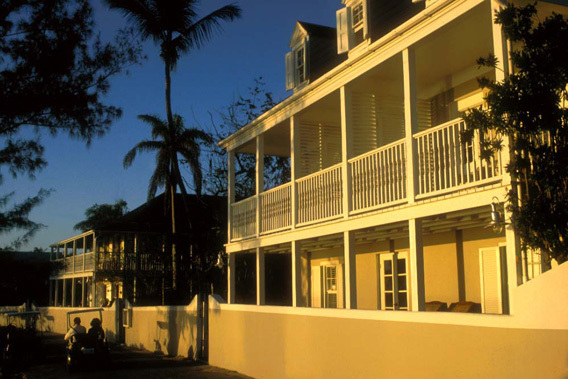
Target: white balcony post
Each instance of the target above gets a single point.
(295, 159)
(51, 301)
(56, 292)
(230, 190)
(231, 274)
(410, 122)
(73, 252)
(346, 147)
(416, 261)
(514, 259)
(260, 282)
(350, 270)
(499, 44)
(83, 291)
(259, 180)
(64, 302)
(296, 273)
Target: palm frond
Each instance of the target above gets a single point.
(141, 147)
(201, 31)
(159, 126)
(142, 14)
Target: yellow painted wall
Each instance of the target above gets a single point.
(440, 268)
(54, 319)
(322, 343)
(169, 330)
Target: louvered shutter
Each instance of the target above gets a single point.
(364, 123)
(390, 119)
(309, 149)
(365, 19)
(316, 286)
(490, 274)
(343, 17)
(330, 146)
(289, 70)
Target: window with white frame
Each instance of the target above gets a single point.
(327, 285)
(394, 286)
(351, 25)
(296, 66)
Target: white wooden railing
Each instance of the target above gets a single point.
(79, 266)
(320, 195)
(445, 163)
(379, 177)
(275, 206)
(243, 217)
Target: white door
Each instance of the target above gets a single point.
(394, 288)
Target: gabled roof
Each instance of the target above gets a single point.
(305, 28)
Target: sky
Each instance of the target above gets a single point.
(205, 81)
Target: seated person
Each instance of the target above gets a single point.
(76, 329)
(96, 331)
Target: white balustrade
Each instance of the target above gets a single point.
(445, 163)
(243, 218)
(379, 177)
(275, 205)
(320, 195)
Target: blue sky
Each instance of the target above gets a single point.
(205, 81)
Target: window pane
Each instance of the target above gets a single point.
(331, 300)
(388, 283)
(388, 300)
(401, 266)
(402, 283)
(388, 267)
(402, 300)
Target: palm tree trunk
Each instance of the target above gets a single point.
(172, 186)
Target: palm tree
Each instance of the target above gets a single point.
(175, 27)
(168, 143)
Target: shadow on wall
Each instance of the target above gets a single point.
(178, 329)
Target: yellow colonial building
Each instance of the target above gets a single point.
(388, 216)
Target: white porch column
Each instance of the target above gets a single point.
(499, 44)
(416, 260)
(230, 190)
(346, 147)
(259, 182)
(260, 282)
(56, 283)
(83, 291)
(73, 291)
(410, 122)
(64, 302)
(294, 168)
(231, 274)
(296, 274)
(51, 290)
(350, 270)
(514, 261)
(73, 256)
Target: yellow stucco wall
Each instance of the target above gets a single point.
(168, 330)
(283, 342)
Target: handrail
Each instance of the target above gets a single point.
(437, 127)
(318, 173)
(377, 150)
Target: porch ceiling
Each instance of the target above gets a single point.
(454, 48)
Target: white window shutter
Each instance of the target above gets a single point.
(290, 70)
(490, 275)
(316, 286)
(343, 29)
(365, 19)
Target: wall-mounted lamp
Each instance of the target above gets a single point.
(220, 263)
(497, 222)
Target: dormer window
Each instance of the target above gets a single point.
(351, 25)
(296, 67)
(301, 65)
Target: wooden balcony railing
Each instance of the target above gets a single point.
(275, 205)
(78, 263)
(243, 216)
(378, 178)
(446, 164)
(320, 195)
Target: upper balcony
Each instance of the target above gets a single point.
(378, 134)
(75, 254)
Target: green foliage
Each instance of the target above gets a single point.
(168, 145)
(54, 72)
(529, 109)
(100, 214)
(235, 116)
